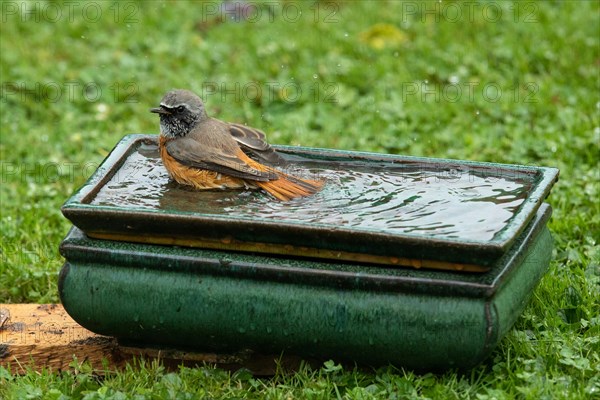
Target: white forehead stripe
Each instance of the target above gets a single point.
(175, 105)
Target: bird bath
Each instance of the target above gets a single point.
(420, 262)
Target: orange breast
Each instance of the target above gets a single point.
(198, 178)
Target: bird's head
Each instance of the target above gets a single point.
(180, 111)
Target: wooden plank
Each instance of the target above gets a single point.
(43, 335)
(40, 336)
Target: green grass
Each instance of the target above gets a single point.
(543, 56)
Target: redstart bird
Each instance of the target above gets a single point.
(207, 153)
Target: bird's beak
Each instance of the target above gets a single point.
(159, 110)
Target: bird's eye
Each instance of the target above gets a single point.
(180, 108)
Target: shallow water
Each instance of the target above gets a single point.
(395, 199)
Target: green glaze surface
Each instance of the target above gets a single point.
(219, 301)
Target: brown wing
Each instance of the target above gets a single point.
(193, 154)
(253, 141)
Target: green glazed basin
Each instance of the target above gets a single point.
(375, 208)
(423, 263)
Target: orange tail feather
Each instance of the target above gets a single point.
(285, 187)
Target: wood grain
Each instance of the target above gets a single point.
(38, 336)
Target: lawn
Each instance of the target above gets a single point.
(510, 82)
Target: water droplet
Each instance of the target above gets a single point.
(83, 37)
(346, 34)
(315, 76)
(453, 79)
(477, 112)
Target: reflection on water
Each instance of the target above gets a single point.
(387, 198)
